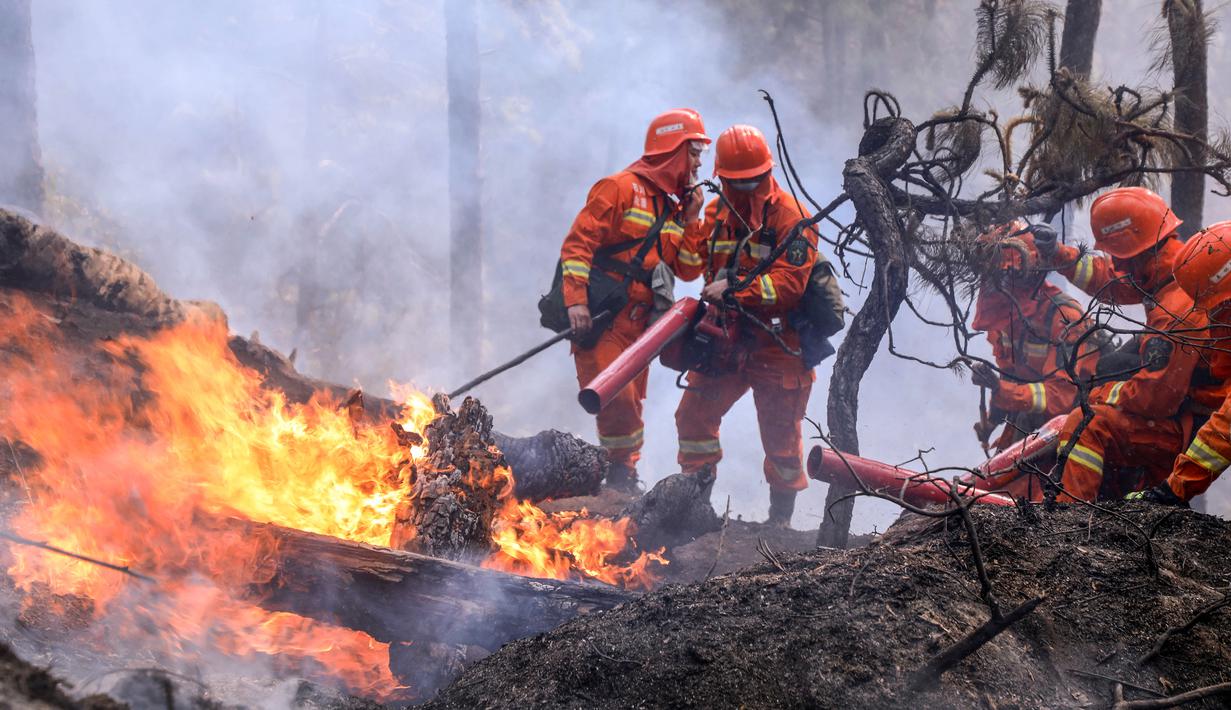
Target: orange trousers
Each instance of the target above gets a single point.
(620, 430)
(1206, 458)
(780, 392)
(1117, 453)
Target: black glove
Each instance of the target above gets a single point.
(1160, 495)
(1045, 240)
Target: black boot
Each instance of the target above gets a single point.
(781, 507)
(623, 478)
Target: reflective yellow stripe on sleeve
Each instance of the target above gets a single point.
(637, 216)
(672, 228)
(724, 246)
(1113, 397)
(1205, 455)
(577, 268)
(1084, 271)
(769, 295)
(1038, 397)
(689, 258)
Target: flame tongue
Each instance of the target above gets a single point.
(143, 440)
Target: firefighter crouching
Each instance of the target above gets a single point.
(768, 360)
(1203, 269)
(1139, 423)
(632, 221)
(1036, 333)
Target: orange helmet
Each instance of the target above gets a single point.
(1203, 266)
(668, 130)
(1129, 220)
(742, 153)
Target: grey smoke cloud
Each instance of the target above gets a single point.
(289, 160)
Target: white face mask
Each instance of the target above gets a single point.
(744, 185)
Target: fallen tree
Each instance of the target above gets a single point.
(398, 596)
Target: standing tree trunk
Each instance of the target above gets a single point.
(21, 166)
(1190, 34)
(885, 147)
(465, 238)
(1081, 19)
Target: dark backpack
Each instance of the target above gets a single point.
(606, 294)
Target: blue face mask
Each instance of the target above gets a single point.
(744, 185)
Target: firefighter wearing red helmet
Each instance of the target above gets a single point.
(1139, 422)
(1203, 270)
(740, 230)
(1036, 333)
(645, 205)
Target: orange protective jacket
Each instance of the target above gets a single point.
(619, 208)
(1209, 453)
(1156, 391)
(1028, 341)
(709, 243)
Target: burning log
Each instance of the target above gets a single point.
(397, 596)
(36, 258)
(455, 497)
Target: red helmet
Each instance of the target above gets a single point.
(1129, 220)
(742, 153)
(1203, 266)
(668, 130)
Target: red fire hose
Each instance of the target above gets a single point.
(829, 466)
(1002, 468)
(616, 376)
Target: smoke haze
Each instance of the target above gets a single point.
(289, 161)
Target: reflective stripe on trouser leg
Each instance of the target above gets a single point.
(620, 429)
(699, 417)
(780, 413)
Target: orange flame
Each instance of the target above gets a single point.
(140, 438)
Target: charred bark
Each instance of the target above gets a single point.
(884, 148)
(674, 512)
(21, 166)
(1186, 23)
(398, 596)
(456, 491)
(1081, 21)
(36, 258)
(553, 464)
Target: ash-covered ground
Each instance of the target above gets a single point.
(847, 628)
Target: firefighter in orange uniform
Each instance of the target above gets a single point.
(1035, 330)
(1138, 424)
(1203, 270)
(620, 211)
(780, 381)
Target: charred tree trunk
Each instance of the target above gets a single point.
(885, 147)
(1081, 20)
(21, 167)
(465, 237)
(1189, 30)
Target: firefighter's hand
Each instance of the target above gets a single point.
(713, 291)
(579, 319)
(693, 202)
(1045, 239)
(983, 375)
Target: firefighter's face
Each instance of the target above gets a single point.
(695, 150)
